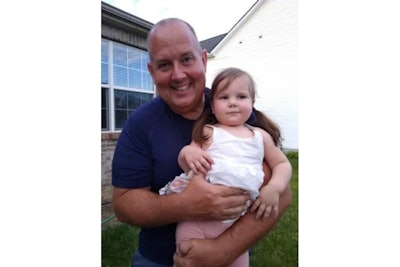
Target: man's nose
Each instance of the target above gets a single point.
(177, 72)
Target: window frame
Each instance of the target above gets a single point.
(110, 87)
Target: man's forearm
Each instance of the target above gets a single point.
(199, 201)
(144, 208)
(247, 231)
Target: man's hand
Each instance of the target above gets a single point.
(208, 253)
(212, 202)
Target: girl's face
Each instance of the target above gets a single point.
(233, 105)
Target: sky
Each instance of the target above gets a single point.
(209, 18)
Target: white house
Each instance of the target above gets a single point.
(264, 43)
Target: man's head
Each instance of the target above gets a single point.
(177, 66)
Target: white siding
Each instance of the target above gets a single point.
(265, 45)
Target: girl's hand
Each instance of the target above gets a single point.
(196, 159)
(267, 202)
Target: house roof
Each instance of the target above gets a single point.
(116, 16)
(212, 44)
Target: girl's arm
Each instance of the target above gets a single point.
(193, 157)
(278, 162)
(281, 171)
(184, 157)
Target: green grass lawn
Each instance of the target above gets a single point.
(278, 248)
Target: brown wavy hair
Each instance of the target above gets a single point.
(261, 120)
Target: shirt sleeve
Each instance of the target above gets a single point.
(132, 164)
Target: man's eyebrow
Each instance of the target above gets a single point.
(161, 60)
(189, 53)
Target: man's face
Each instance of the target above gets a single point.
(178, 67)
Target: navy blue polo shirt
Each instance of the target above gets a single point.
(146, 155)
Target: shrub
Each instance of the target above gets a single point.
(292, 155)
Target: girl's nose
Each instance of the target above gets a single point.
(232, 102)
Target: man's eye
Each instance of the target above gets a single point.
(187, 60)
(163, 66)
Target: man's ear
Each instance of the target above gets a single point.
(204, 58)
(150, 68)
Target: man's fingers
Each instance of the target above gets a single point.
(255, 205)
(232, 191)
(182, 250)
(233, 213)
(276, 210)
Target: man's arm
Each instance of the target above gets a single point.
(236, 240)
(200, 200)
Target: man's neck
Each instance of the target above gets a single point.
(195, 112)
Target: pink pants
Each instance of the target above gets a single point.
(206, 230)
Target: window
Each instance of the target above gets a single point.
(124, 79)
(125, 103)
(104, 109)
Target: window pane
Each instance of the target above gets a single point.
(135, 79)
(134, 59)
(104, 61)
(104, 109)
(145, 59)
(120, 76)
(147, 81)
(104, 50)
(126, 102)
(137, 99)
(120, 117)
(104, 73)
(103, 98)
(104, 122)
(120, 56)
(121, 107)
(120, 99)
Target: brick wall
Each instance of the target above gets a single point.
(108, 142)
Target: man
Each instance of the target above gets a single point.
(145, 160)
